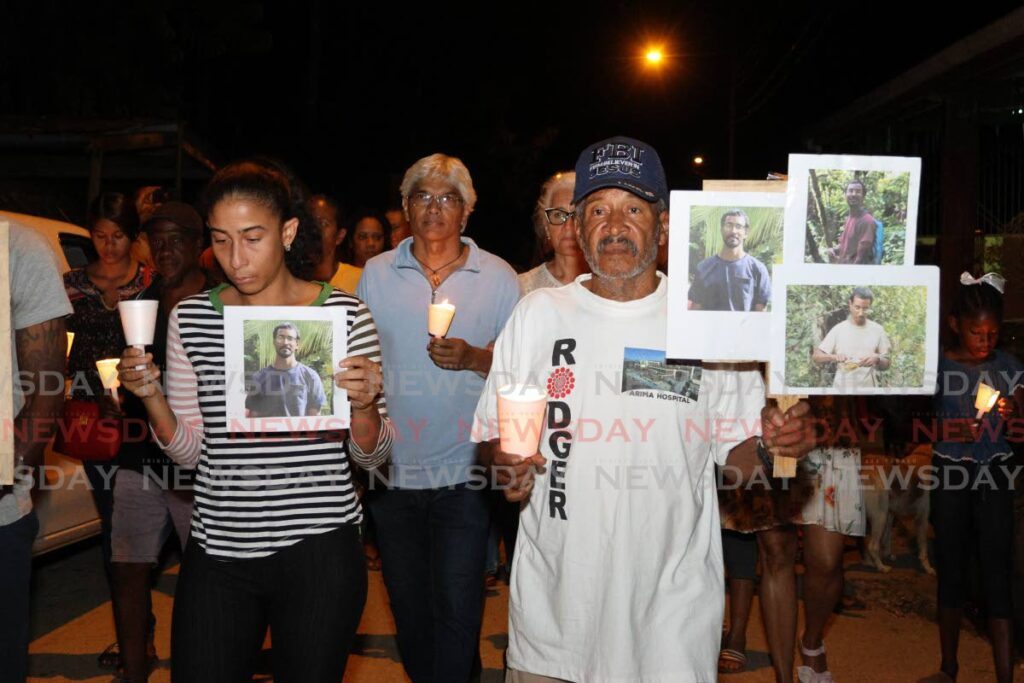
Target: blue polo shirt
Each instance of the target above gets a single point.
(285, 393)
(721, 285)
(432, 409)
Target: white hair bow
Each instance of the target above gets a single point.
(994, 279)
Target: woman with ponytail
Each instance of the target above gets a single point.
(274, 539)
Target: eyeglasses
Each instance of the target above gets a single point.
(860, 309)
(558, 216)
(286, 337)
(449, 200)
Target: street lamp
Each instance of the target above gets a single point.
(654, 56)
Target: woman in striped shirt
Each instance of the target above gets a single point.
(274, 539)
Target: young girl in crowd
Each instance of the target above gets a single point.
(274, 539)
(973, 502)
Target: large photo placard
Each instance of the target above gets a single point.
(280, 365)
(723, 249)
(855, 330)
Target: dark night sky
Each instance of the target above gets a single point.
(351, 93)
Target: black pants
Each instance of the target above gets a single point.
(739, 551)
(311, 595)
(967, 509)
(15, 573)
(101, 484)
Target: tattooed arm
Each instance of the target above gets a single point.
(40, 350)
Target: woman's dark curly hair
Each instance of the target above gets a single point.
(273, 185)
(116, 208)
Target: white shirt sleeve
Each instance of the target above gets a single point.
(504, 370)
(828, 344)
(884, 345)
(736, 399)
(364, 341)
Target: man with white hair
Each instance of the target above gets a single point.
(618, 573)
(432, 520)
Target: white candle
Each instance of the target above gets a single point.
(521, 409)
(986, 399)
(439, 318)
(108, 375)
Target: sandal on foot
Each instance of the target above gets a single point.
(731, 661)
(805, 674)
(110, 658)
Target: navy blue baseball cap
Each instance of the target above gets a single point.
(621, 162)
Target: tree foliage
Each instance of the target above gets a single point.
(813, 310)
(764, 240)
(316, 341)
(886, 200)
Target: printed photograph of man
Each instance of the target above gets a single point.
(858, 346)
(286, 387)
(852, 210)
(857, 242)
(732, 279)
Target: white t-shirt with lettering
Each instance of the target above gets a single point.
(618, 570)
(856, 342)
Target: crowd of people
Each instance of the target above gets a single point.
(608, 583)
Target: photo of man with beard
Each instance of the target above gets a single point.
(286, 388)
(732, 279)
(857, 241)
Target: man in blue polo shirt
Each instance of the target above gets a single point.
(732, 279)
(432, 521)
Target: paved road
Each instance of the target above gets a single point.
(893, 640)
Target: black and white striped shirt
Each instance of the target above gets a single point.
(256, 494)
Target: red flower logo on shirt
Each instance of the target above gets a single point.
(561, 382)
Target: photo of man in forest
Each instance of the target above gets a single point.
(858, 210)
(859, 347)
(857, 241)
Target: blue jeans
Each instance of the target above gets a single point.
(15, 575)
(432, 544)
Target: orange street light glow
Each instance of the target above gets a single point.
(654, 56)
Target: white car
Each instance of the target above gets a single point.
(63, 502)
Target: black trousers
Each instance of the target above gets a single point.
(311, 595)
(739, 551)
(973, 504)
(15, 574)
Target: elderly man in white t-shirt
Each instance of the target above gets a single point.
(618, 573)
(859, 347)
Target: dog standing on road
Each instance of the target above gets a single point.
(894, 489)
